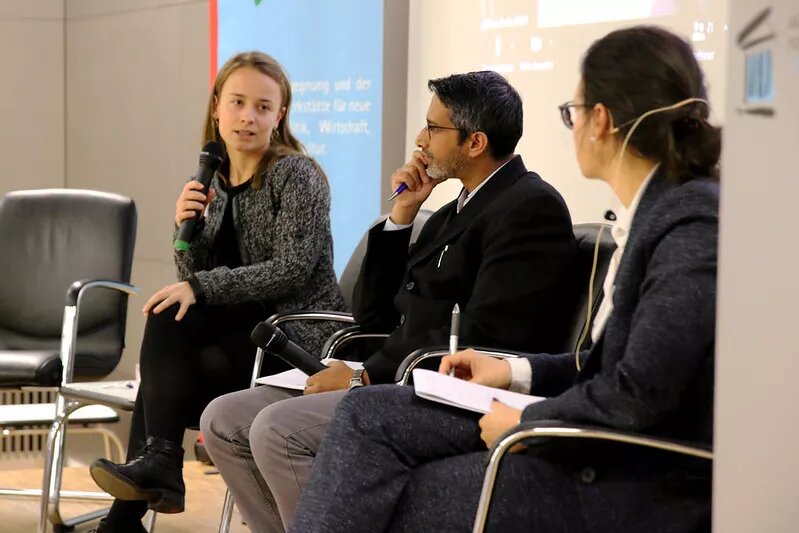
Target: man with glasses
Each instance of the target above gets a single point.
(502, 251)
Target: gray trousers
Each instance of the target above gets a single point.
(263, 442)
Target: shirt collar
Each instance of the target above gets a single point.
(625, 215)
(465, 196)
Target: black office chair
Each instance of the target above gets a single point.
(51, 238)
(577, 336)
(336, 342)
(344, 336)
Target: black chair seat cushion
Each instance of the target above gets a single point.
(20, 368)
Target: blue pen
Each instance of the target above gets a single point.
(396, 193)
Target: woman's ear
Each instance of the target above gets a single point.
(602, 122)
(215, 109)
(280, 115)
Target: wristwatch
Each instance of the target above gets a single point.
(356, 380)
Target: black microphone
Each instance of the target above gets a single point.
(210, 159)
(271, 339)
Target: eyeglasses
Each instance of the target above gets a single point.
(566, 112)
(568, 119)
(431, 127)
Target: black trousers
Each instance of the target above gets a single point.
(184, 365)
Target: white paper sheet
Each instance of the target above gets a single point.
(459, 393)
(295, 379)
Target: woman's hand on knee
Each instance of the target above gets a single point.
(177, 293)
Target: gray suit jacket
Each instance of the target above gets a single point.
(285, 245)
(652, 369)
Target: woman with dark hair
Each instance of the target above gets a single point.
(392, 461)
(264, 246)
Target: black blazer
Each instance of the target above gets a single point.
(503, 259)
(651, 371)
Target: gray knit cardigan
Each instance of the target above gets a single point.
(285, 245)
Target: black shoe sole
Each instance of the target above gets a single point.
(124, 488)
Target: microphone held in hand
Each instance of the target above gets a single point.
(210, 159)
(272, 340)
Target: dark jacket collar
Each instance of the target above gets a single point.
(504, 178)
(658, 185)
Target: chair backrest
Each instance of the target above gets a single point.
(50, 238)
(586, 236)
(350, 274)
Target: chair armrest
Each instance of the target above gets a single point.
(336, 340)
(407, 365)
(332, 344)
(558, 429)
(78, 288)
(280, 318)
(69, 328)
(343, 336)
(330, 316)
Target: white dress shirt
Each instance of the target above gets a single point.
(619, 232)
(521, 371)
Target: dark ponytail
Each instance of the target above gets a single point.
(639, 69)
(694, 150)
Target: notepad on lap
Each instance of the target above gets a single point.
(295, 379)
(459, 393)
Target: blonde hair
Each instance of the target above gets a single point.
(282, 142)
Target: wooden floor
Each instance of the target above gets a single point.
(204, 496)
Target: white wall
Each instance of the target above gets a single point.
(32, 94)
(108, 95)
(137, 86)
(756, 481)
(137, 81)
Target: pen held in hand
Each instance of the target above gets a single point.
(453, 333)
(398, 191)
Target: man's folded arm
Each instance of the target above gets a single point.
(380, 277)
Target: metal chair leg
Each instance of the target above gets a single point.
(227, 513)
(94, 496)
(227, 507)
(53, 463)
(149, 521)
(69, 524)
(50, 511)
(107, 447)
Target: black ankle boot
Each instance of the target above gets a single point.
(154, 475)
(110, 527)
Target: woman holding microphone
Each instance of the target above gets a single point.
(392, 461)
(263, 245)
